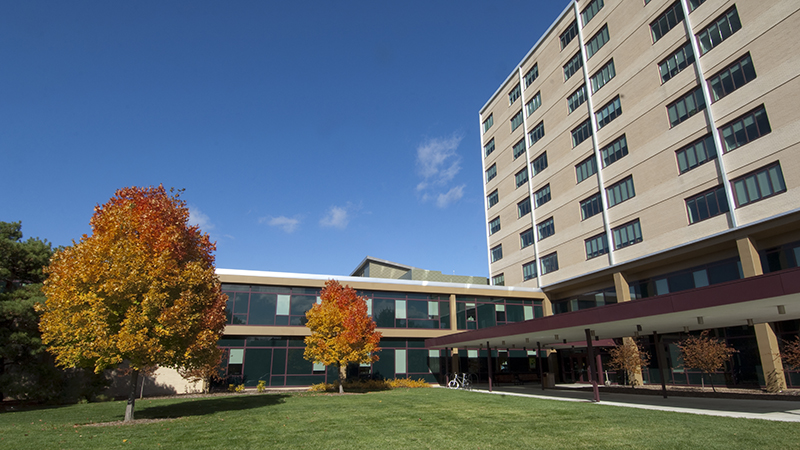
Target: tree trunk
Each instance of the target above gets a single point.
(712, 383)
(131, 396)
(342, 377)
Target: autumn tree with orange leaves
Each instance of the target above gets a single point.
(341, 331)
(140, 289)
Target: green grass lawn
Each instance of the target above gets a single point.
(404, 418)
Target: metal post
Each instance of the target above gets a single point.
(590, 357)
(599, 365)
(489, 359)
(447, 356)
(539, 362)
(662, 363)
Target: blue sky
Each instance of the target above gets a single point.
(306, 134)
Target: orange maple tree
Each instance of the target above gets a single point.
(140, 289)
(705, 354)
(341, 330)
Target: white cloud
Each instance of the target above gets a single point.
(438, 163)
(452, 196)
(286, 223)
(196, 217)
(336, 217)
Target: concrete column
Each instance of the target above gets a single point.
(455, 360)
(771, 363)
(624, 295)
(768, 350)
(453, 310)
(547, 306)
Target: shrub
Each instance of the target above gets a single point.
(262, 386)
(370, 385)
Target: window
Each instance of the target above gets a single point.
(745, 129)
(590, 11)
(612, 152)
(666, 21)
(627, 234)
(516, 121)
(549, 263)
(569, 34)
(721, 29)
(621, 191)
(534, 103)
(497, 253)
(519, 148)
(524, 207)
(597, 42)
(521, 177)
(492, 198)
(491, 172)
(542, 196)
(576, 99)
(488, 123)
(764, 182)
(581, 133)
(696, 153)
(707, 204)
(494, 225)
(585, 169)
(546, 228)
(603, 76)
(499, 280)
(539, 164)
(676, 62)
(572, 66)
(536, 133)
(529, 271)
(693, 4)
(591, 206)
(532, 75)
(526, 238)
(488, 148)
(608, 112)
(596, 246)
(732, 77)
(514, 94)
(685, 107)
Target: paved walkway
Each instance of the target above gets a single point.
(779, 410)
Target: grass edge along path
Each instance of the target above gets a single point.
(402, 418)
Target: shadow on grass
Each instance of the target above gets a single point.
(201, 407)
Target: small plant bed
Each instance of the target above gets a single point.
(370, 385)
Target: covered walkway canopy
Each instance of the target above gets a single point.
(760, 299)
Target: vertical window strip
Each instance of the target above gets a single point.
(532, 75)
(542, 196)
(492, 198)
(591, 206)
(721, 29)
(591, 10)
(621, 191)
(757, 185)
(707, 204)
(549, 263)
(494, 225)
(499, 280)
(608, 112)
(539, 164)
(597, 42)
(529, 270)
(536, 133)
(488, 148)
(668, 20)
(491, 172)
(526, 238)
(521, 177)
(546, 228)
(696, 154)
(569, 34)
(627, 235)
(572, 66)
(488, 123)
(603, 76)
(497, 253)
(585, 169)
(534, 103)
(524, 207)
(576, 99)
(581, 133)
(744, 129)
(693, 4)
(516, 121)
(676, 62)
(514, 94)
(596, 246)
(519, 148)
(732, 77)
(685, 107)
(612, 152)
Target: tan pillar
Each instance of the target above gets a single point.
(455, 360)
(771, 363)
(768, 350)
(624, 295)
(453, 318)
(547, 306)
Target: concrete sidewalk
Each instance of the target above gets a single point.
(778, 410)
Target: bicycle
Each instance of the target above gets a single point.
(461, 382)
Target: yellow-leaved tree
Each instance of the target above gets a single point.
(140, 289)
(341, 330)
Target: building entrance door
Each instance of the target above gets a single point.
(575, 368)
